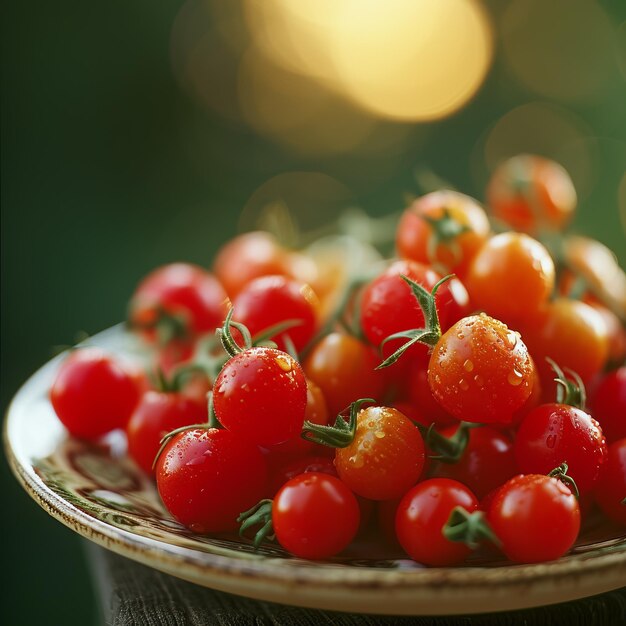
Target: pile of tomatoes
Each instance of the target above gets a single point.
(438, 398)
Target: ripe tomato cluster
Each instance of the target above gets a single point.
(435, 400)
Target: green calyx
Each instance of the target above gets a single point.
(570, 390)
(447, 449)
(341, 434)
(431, 333)
(468, 528)
(560, 473)
(179, 377)
(259, 515)
(445, 230)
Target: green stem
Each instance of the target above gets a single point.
(571, 390)
(341, 434)
(468, 528)
(560, 473)
(448, 449)
(259, 515)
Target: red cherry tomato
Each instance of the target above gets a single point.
(261, 395)
(510, 277)
(388, 306)
(206, 478)
(344, 369)
(269, 300)
(610, 489)
(608, 404)
(177, 301)
(532, 193)
(555, 433)
(247, 257)
(487, 461)
(536, 518)
(443, 228)
(421, 516)
(93, 394)
(315, 516)
(157, 414)
(480, 371)
(386, 456)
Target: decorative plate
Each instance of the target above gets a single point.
(99, 493)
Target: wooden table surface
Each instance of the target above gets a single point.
(131, 594)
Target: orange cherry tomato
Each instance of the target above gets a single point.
(344, 369)
(511, 276)
(386, 456)
(444, 229)
(572, 334)
(532, 193)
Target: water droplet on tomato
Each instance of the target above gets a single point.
(468, 365)
(379, 434)
(551, 441)
(515, 378)
(284, 362)
(463, 384)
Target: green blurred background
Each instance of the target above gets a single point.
(135, 133)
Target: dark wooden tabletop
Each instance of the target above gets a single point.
(131, 594)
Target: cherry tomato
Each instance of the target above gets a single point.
(421, 516)
(315, 516)
(533, 400)
(480, 371)
(532, 193)
(261, 395)
(316, 412)
(536, 518)
(247, 257)
(388, 306)
(207, 477)
(555, 433)
(510, 277)
(177, 301)
(268, 300)
(616, 332)
(608, 404)
(597, 266)
(157, 414)
(610, 490)
(443, 228)
(487, 461)
(344, 369)
(570, 333)
(386, 456)
(93, 393)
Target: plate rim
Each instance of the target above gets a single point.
(254, 575)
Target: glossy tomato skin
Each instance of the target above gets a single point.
(555, 433)
(510, 277)
(156, 415)
(532, 193)
(608, 404)
(480, 371)
(93, 393)
(572, 334)
(315, 516)
(421, 516)
(207, 477)
(344, 369)
(386, 456)
(181, 290)
(261, 395)
(537, 518)
(283, 473)
(414, 232)
(487, 462)
(269, 300)
(388, 305)
(610, 489)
